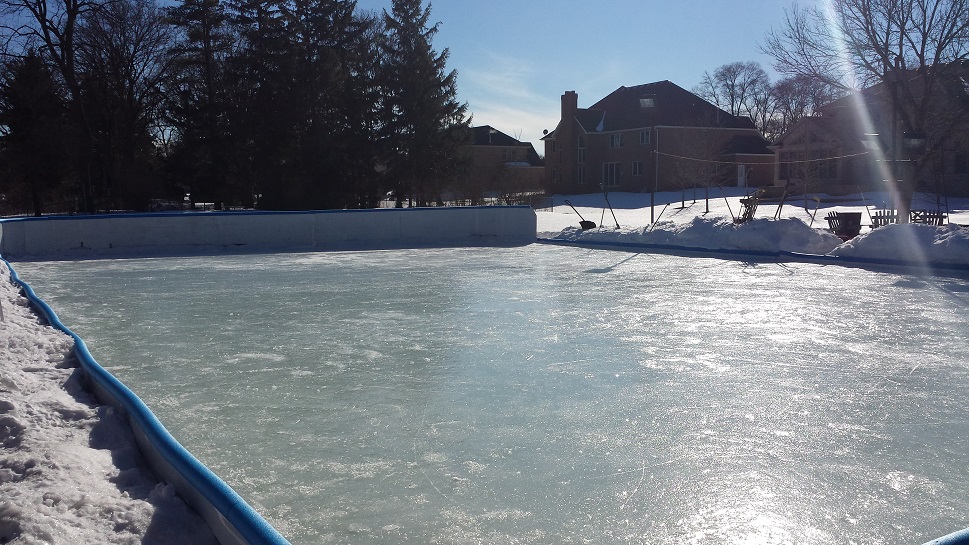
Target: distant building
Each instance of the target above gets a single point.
(501, 165)
(650, 137)
(858, 143)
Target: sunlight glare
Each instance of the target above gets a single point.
(883, 163)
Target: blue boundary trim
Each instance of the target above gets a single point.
(956, 538)
(239, 515)
(782, 256)
(176, 214)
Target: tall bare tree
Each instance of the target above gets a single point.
(124, 63)
(743, 89)
(795, 97)
(51, 28)
(735, 87)
(909, 51)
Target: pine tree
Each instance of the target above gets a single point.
(330, 46)
(36, 143)
(196, 100)
(53, 28)
(426, 129)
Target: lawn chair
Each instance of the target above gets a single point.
(846, 225)
(748, 208)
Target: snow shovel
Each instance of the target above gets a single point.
(583, 223)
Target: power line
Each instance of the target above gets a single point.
(818, 160)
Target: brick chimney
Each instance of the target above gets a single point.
(570, 104)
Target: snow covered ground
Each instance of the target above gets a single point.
(69, 471)
(799, 226)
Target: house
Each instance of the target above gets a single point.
(653, 137)
(502, 165)
(860, 142)
(827, 153)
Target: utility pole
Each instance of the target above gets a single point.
(652, 196)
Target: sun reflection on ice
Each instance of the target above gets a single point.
(748, 522)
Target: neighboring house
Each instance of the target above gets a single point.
(501, 165)
(653, 137)
(827, 153)
(850, 145)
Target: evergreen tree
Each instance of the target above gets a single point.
(52, 26)
(261, 114)
(196, 101)
(36, 138)
(365, 152)
(329, 40)
(291, 82)
(427, 129)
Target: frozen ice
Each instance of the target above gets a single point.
(545, 394)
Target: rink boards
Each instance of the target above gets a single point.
(240, 232)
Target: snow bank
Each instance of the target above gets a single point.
(775, 230)
(229, 517)
(69, 468)
(947, 244)
(718, 233)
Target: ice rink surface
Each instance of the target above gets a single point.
(548, 395)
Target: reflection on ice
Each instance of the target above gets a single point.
(547, 394)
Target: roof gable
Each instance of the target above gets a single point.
(814, 130)
(661, 103)
(747, 144)
(487, 135)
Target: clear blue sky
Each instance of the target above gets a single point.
(515, 58)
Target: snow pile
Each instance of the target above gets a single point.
(792, 228)
(924, 243)
(718, 233)
(69, 470)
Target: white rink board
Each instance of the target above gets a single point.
(81, 236)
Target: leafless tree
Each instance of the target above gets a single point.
(736, 87)
(124, 60)
(742, 89)
(796, 97)
(911, 49)
(49, 26)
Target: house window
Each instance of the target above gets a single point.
(644, 136)
(784, 173)
(637, 168)
(961, 163)
(615, 140)
(824, 167)
(581, 155)
(829, 169)
(610, 174)
(580, 176)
